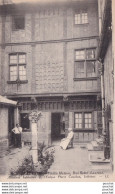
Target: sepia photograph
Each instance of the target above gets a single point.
(57, 90)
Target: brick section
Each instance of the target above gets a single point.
(49, 68)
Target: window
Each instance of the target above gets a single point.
(25, 123)
(17, 66)
(83, 120)
(85, 63)
(78, 120)
(18, 22)
(88, 120)
(81, 17)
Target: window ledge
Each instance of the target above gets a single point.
(15, 30)
(19, 82)
(81, 24)
(84, 130)
(85, 78)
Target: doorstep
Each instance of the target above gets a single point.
(98, 158)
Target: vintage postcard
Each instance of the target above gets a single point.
(57, 90)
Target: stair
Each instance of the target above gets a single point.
(99, 140)
(98, 158)
(95, 146)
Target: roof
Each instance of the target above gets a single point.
(23, 6)
(4, 100)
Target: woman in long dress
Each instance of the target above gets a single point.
(65, 142)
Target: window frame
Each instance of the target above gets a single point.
(17, 64)
(85, 60)
(21, 115)
(80, 12)
(13, 22)
(83, 121)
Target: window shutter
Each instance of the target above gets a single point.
(71, 120)
(66, 120)
(95, 120)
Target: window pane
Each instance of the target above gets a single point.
(88, 120)
(13, 59)
(78, 120)
(84, 17)
(89, 125)
(22, 58)
(76, 115)
(80, 126)
(22, 72)
(80, 115)
(79, 69)
(90, 68)
(90, 54)
(13, 73)
(18, 22)
(77, 19)
(76, 125)
(86, 126)
(79, 55)
(89, 115)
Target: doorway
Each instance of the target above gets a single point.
(57, 127)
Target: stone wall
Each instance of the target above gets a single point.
(3, 128)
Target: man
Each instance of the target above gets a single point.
(17, 135)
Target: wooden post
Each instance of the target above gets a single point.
(34, 117)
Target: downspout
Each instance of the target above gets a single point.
(106, 147)
(103, 98)
(99, 14)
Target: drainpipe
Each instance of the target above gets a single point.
(104, 117)
(103, 98)
(99, 14)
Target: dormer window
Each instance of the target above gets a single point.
(18, 22)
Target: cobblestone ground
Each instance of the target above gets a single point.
(75, 159)
(12, 159)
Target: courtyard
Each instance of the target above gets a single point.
(71, 161)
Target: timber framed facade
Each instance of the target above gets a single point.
(48, 63)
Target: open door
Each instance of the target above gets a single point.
(57, 127)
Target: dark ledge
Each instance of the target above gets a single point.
(18, 82)
(85, 78)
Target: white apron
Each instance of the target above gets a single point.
(65, 142)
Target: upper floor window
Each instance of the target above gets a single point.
(18, 22)
(85, 63)
(17, 66)
(81, 17)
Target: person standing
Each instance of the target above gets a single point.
(17, 135)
